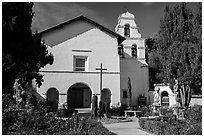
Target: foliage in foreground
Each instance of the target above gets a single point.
(23, 54)
(192, 125)
(39, 122)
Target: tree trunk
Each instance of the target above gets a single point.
(185, 94)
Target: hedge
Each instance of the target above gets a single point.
(22, 121)
(169, 125)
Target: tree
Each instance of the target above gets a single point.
(197, 49)
(154, 61)
(178, 45)
(23, 53)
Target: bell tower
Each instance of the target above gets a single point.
(134, 45)
(126, 26)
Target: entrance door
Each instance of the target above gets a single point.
(75, 98)
(79, 96)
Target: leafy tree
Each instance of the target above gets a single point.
(154, 61)
(23, 53)
(178, 46)
(196, 49)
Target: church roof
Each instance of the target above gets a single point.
(81, 17)
(127, 15)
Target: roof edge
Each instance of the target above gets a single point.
(102, 28)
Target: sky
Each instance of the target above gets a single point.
(147, 14)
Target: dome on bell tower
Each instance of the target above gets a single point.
(126, 15)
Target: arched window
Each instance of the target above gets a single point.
(127, 30)
(134, 50)
(120, 49)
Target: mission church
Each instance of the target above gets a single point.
(90, 59)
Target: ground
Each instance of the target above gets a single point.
(126, 128)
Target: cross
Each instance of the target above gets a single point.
(101, 68)
(125, 7)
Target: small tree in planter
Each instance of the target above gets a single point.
(101, 109)
(107, 108)
(94, 105)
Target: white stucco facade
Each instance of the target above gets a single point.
(131, 67)
(85, 39)
(98, 47)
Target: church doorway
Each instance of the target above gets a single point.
(52, 97)
(79, 96)
(106, 96)
(165, 98)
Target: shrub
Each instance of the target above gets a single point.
(170, 118)
(94, 106)
(161, 127)
(141, 122)
(42, 122)
(118, 111)
(167, 111)
(169, 125)
(101, 109)
(194, 114)
(51, 106)
(9, 103)
(38, 123)
(193, 117)
(107, 109)
(194, 129)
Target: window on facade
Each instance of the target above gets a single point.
(134, 50)
(125, 94)
(80, 63)
(127, 30)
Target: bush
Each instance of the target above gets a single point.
(166, 111)
(21, 121)
(41, 123)
(141, 122)
(161, 127)
(101, 109)
(169, 125)
(170, 118)
(118, 111)
(194, 114)
(194, 129)
(145, 111)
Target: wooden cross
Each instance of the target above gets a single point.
(101, 69)
(125, 7)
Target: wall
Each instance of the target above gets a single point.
(99, 47)
(196, 99)
(140, 42)
(131, 67)
(63, 33)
